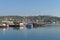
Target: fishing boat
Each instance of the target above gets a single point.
(14, 25)
(29, 25)
(37, 24)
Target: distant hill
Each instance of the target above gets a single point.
(32, 18)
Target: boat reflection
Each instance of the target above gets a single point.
(29, 26)
(18, 28)
(4, 28)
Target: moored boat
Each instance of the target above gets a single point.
(14, 25)
(29, 25)
(37, 24)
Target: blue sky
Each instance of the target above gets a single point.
(30, 7)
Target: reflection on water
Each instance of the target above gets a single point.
(47, 32)
(4, 28)
(17, 27)
(28, 27)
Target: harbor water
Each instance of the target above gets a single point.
(47, 32)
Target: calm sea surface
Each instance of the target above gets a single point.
(47, 32)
